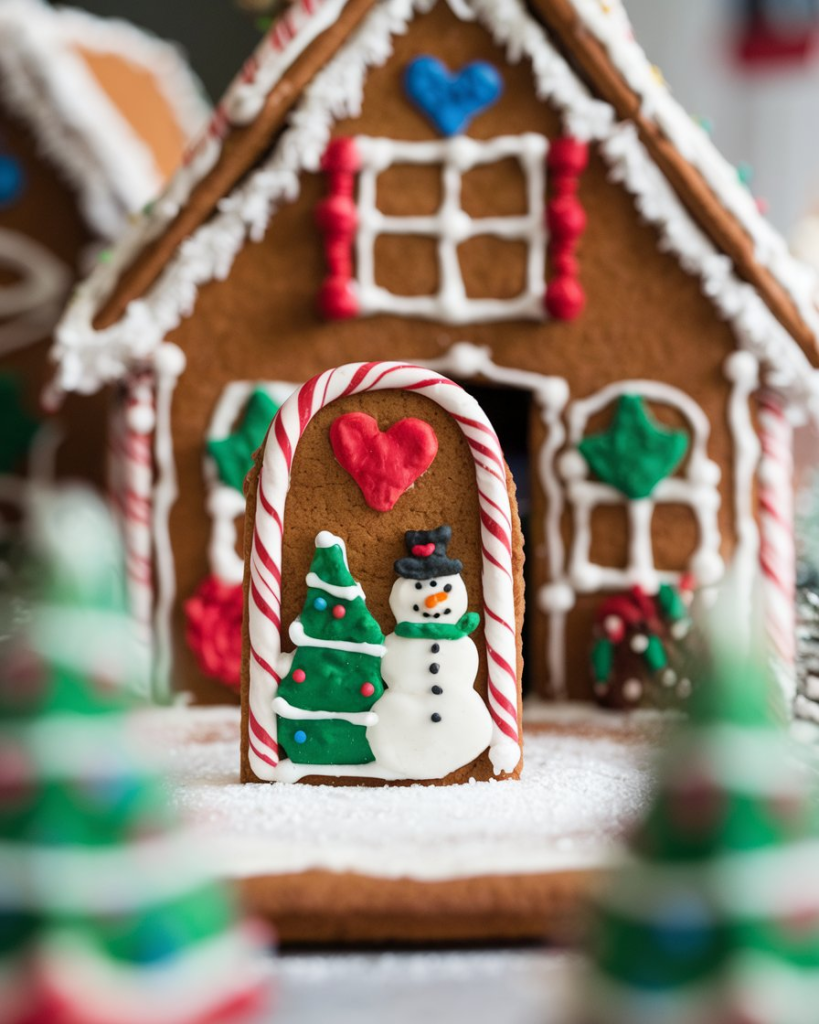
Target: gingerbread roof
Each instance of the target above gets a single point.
(66, 75)
(309, 71)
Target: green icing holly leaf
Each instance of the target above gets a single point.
(636, 452)
(17, 426)
(234, 454)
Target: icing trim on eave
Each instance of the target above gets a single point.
(612, 30)
(48, 86)
(88, 358)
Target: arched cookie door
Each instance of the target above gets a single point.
(639, 489)
(380, 527)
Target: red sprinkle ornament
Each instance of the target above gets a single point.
(299, 675)
(367, 690)
(339, 611)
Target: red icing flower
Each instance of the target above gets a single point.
(214, 629)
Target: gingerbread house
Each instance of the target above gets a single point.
(94, 117)
(505, 193)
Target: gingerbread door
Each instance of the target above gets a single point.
(383, 586)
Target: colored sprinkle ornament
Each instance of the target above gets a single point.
(300, 736)
(299, 675)
(339, 611)
(367, 690)
(320, 604)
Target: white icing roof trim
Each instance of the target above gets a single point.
(48, 86)
(88, 358)
(613, 32)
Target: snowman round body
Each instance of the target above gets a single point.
(430, 721)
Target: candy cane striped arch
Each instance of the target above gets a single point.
(264, 599)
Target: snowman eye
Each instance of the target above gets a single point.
(433, 583)
(447, 588)
(417, 586)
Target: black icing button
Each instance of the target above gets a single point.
(435, 648)
(436, 717)
(437, 689)
(435, 668)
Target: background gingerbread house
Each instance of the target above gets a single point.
(94, 117)
(508, 194)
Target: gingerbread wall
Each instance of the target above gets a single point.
(645, 318)
(47, 212)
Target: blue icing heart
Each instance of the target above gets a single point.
(451, 100)
(11, 180)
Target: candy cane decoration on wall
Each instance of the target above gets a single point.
(136, 502)
(264, 599)
(777, 549)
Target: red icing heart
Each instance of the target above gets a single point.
(423, 550)
(386, 463)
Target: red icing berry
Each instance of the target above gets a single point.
(566, 217)
(367, 690)
(337, 215)
(423, 550)
(565, 298)
(564, 263)
(299, 675)
(337, 301)
(568, 156)
(341, 156)
(339, 611)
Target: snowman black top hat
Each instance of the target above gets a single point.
(427, 555)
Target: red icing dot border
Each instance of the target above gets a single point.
(566, 220)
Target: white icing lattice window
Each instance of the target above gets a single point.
(451, 226)
(696, 487)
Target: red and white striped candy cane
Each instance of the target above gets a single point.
(137, 503)
(264, 602)
(777, 546)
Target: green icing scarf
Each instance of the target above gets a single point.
(467, 624)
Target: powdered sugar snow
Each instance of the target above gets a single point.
(578, 794)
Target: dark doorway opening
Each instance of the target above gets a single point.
(509, 410)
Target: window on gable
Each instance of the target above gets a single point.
(411, 228)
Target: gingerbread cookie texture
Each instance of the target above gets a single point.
(94, 117)
(384, 646)
(506, 193)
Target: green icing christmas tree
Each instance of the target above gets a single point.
(233, 455)
(101, 895)
(636, 452)
(336, 668)
(715, 915)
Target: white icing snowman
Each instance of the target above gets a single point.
(430, 720)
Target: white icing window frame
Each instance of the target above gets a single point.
(450, 226)
(224, 504)
(696, 488)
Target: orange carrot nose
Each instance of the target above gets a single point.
(434, 599)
